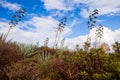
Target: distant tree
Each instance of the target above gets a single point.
(46, 42)
(15, 19)
(98, 36)
(60, 28)
(116, 47)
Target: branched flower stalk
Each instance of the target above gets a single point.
(91, 24)
(99, 34)
(15, 19)
(60, 28)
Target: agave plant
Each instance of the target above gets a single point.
(44, 56)
(28, 50)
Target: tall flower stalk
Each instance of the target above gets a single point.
(91, 24)
(99, 34)
(15, 19)
(60, 28)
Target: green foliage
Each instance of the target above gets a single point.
(29, 62)
(114, 68)
(44, 54)
(83, 75)
(28, 50)
(116, 47)
(103, 76)
(86, 46)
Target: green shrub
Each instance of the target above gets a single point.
(102, 76)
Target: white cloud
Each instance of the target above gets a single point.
(45, 27)
(104, 6)
(84, 13)
(38, 29)
(3, 26)
(58, 4)
(58, 13)
(54, 4)
(75, 22)
(10, 6)
(109, 37)
(71, 42)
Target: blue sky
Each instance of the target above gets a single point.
(42, 17)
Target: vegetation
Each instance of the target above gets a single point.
(31, 62)
(54, 64)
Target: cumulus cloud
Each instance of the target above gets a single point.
(58, 4)
(34, 30)
(84, 13)
(38, 29)
(104, 6)
(109, 37)
(10, 6)
(72, 42)
(50, 4)
(57, 13)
